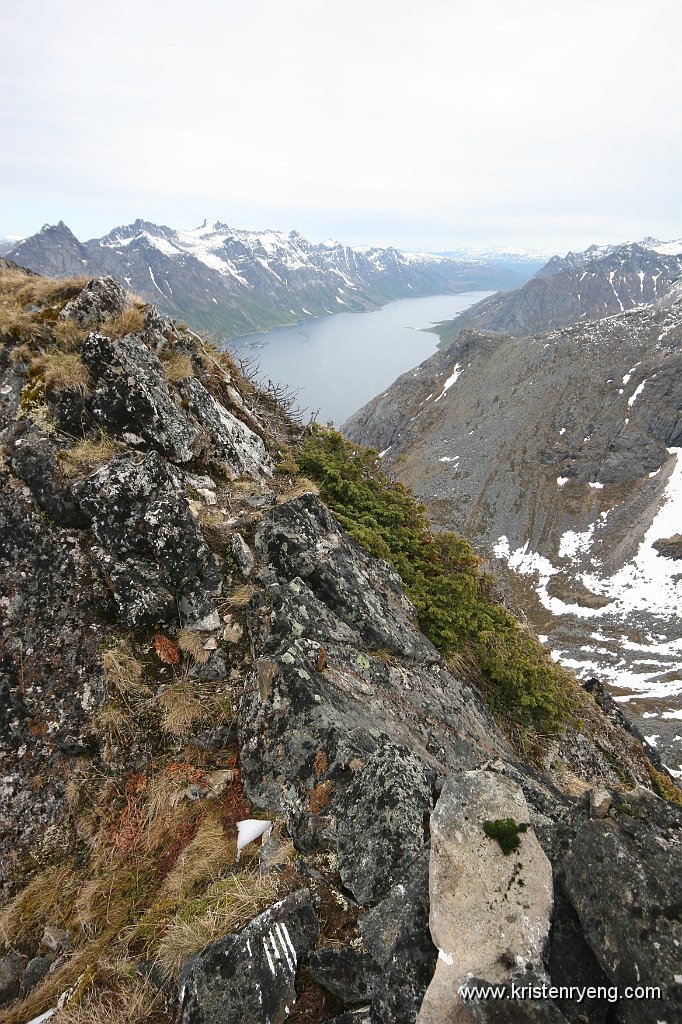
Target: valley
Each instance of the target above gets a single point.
(558, 454)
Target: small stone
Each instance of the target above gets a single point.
(57, 939)
(233, 633)
(35, 971)
(10, 976)
(600, 803)
(243, 555)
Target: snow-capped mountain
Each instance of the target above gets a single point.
(235, 281)
(602, 281)
(520, 259)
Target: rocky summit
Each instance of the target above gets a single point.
(245, 776)
(558, 454)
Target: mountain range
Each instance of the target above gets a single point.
(602, 281)
(559, 453)
(234, 282)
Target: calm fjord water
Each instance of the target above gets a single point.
(337, 363)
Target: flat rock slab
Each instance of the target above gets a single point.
(249, 978)
(490, 911)
(380, 821)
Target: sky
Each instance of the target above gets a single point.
(547, 124)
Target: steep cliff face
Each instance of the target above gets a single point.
(236, 281)
(579, 287)
(195, 654)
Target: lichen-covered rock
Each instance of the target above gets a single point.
(490, 909)
(349, 974)
(243, 555)
(249, 978)
(396, 934)
(138, 588)
(33, 459)
(10, 977)
(622, 875)
(136, 512)
(102, 298)
(302, 538)
(230, 441)
(53, 611)
(380, 821)
(132, 400)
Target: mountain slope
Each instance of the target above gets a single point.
(600, 282)
(560, 454)
(234, 281)
(195, 656)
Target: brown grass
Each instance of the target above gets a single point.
(193, 644)
(224, 907)
(115, 994)
(17, 325)
(181, 708)
(47, 898)
(240, 597)
(69, 334)
(25, 290)
(86, 455)
(203, 858)
(177, 366)
(61, 370)
(122, 670)
(130, 321)
(302, 486)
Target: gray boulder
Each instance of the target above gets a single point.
(102, 298)
(622, 875)
(491, 903)
(249, 978)
(231, 442)
(302, 538)
(132, 400)
(396, 934)
(381, 819)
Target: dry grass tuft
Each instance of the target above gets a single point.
(177, 366)
(87, 455)
(69, 334)
(48, 897)
(202, 859)
(193, 644)
(302, 486)
(123, 671)
(114, 994)
(16, 325)
(114, 721)
(240, 597)
(224, 907)
(29, 289)
(181, 708)
(130, 321)
(61, 370)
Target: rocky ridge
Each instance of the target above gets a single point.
(234, 281)
(191, 640)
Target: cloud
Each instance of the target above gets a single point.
(444, 116)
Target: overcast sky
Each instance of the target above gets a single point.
(431, 124)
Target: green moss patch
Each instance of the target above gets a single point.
(507, 833)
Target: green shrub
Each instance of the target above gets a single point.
(442, 575)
